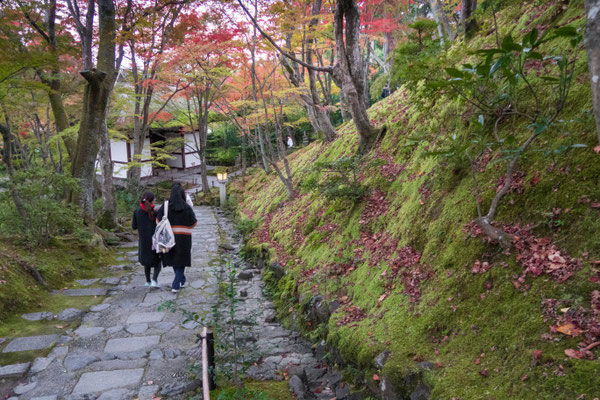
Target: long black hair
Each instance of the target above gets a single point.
(177, 199)
(146, 200)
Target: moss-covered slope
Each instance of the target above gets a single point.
(408, 266)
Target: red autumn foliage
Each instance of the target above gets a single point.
(537, 255)
(353, 313)
(377, 205)
(390, 170)
(516, 183)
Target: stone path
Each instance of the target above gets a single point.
(126, 348)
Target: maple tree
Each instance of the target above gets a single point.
(152, 35)
(204, 63)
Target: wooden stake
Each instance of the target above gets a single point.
(205, 384)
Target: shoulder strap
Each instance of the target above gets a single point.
(166, 208)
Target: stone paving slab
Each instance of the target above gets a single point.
(38, 316)
(138, 318)
(99, 307)
(30, 343)
(14, 370)
(125, 345)
(85, 292)
(92, 382)
(87, 282)
(88, 332)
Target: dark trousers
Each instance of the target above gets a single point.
(179, 277)
(156, 272)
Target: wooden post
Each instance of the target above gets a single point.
(205, 384)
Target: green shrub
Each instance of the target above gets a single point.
(46, 212)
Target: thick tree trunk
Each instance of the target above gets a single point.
(95, 105)
(592, 45)
(348, 72)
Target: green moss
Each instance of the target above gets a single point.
(464, 322)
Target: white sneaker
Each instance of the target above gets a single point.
(182, 285)
(174, 290)
(147, 284)
(154, 284)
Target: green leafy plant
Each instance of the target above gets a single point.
(46, 213)
(500, 86)
(337, 179)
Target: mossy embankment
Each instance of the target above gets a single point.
(403, 262)
(59, 263)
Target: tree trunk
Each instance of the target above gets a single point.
(95, 105)
(348, 72)
(322, 116)
(7, 160)
(438, 21)
(466, 16)
(445, 21)
(592, 45)
(108, 218)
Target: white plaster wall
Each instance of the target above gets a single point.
(192, 160)
(176, 162)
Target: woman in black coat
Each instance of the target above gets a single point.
(182, 219)
(144, 220)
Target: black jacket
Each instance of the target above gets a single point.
(182, 222)
(145, 227)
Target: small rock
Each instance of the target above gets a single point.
(147, 392)
(116, 394)
(59, 351)
(114, 329)
(297, 387)
(156, 354)
(245, 275)
(40, 364)
(89, 332)
(226, 246)
(334, 305)
(24, 388)
(175, 388)
(113, 280)
(165, 326)
(99, 307)
(381, 359)
(278, 271)
(136, 329)
(320, 309)
(70, 314)
(270, 316)
(171, 352)
(38, 316)
(342, 392)
(75, 362)
(64, 339)
(244, 293)
(15, 370)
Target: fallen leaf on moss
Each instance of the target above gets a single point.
(574, 354)
(568, 329)
(524, 378)
(537, 354)
(484, 373)
(375, 377)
